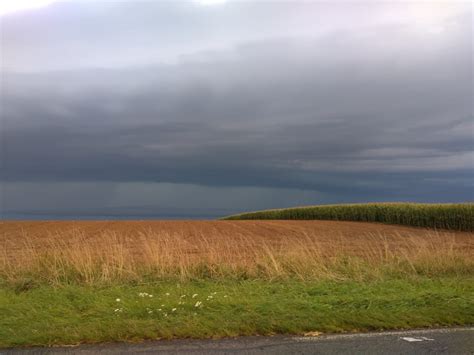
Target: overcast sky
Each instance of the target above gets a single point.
(180, 108)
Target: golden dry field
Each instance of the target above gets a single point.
(102, 251)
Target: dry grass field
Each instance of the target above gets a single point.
(65, 282)
(93, 252)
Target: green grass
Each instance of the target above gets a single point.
(71, 314)
(443, 216)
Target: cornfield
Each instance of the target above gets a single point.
(438, 216)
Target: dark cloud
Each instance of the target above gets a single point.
(381, 113)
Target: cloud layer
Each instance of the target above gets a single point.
(381, 111)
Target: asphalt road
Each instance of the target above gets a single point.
(440, 341)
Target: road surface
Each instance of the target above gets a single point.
(439, 341)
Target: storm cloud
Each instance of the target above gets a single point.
(377, 109)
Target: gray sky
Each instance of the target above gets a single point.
(146, 107)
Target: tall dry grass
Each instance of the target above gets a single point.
(109, 256)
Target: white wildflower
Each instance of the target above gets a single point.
(118, 299)
(174, 309)
(195, 295)
(198, 303)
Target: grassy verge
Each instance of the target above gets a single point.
(48, 315)
(458, 216)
